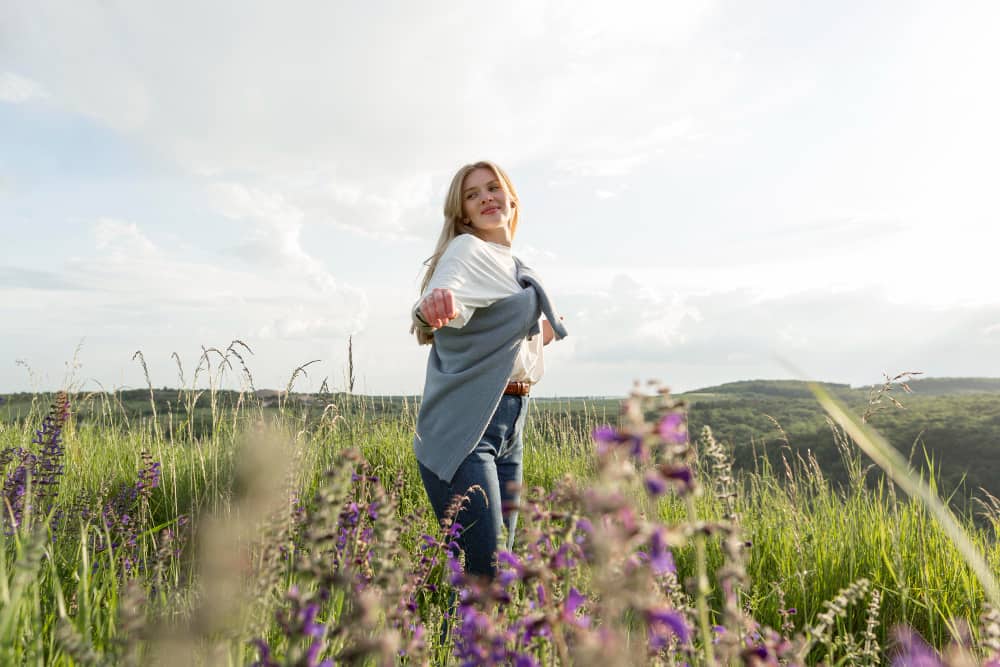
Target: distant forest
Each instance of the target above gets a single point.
(952, 422)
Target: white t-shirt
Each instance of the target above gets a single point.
(478, 273)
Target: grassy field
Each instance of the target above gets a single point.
(219, 528)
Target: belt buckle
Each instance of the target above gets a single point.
(517, 388)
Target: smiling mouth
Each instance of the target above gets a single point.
(487, 211)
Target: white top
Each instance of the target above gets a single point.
(478, 273)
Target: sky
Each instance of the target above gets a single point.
(711, 191)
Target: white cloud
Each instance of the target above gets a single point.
(135, 284)
(33, 279)
(533, 255)
(628, 321)
(275, 240)
(17, 89)
(122, 239)
(350, 113)
(617, 155)
(305, 327)
(636, 331)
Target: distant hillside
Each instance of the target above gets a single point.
(787, 388)
(799, 389)
(949, 386)
(956, 421)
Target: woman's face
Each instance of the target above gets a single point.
(487, 206)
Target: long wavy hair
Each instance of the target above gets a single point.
(455, 223)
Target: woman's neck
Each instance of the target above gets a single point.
(498, 236)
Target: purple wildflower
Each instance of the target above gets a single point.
(123, 515)
(914, 651)
(660, 557)
(629, 521)
(681, 476)
(352, 514)
(48, 465)
(478, 640)
(310, 628)
(514, 570)
(299, 625)
(562, 559)
(265, 654)
(14, 490)
(662, 622)
(149, 478)
(149, 475)
(758, 654)
(605, 434)
(636, 450)
(535, 625)
(673, 428)
(608, 437)
(574, 600)
(455, 568)
(765, 650)
(506, 577)
(655, 484)
(309, 625)
(510, 559)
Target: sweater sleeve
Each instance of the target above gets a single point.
(467, 270)
(452, 272)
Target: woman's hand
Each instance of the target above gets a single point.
(438, 307)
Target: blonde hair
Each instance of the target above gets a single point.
(455, 223)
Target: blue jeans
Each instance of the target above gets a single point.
(495, 466)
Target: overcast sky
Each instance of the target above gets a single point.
(707, 188)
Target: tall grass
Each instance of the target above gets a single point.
(232, 554)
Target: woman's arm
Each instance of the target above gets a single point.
(459, 285)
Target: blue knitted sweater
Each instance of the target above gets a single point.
(468, 369)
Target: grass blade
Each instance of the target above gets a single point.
(895, 466)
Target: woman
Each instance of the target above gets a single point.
(480, 310)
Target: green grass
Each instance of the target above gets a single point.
(809, 538)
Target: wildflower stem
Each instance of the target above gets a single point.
(559, 640)
(702, 586)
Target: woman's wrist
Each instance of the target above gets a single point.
(420, 321)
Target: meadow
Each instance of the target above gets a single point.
(238, 527)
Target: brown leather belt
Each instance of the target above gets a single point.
(517, 388)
